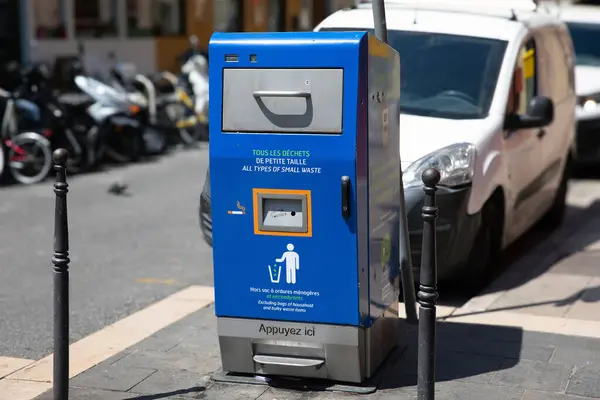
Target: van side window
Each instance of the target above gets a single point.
(514, 98)
(529, 60)
(524, 84)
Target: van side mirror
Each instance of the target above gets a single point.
(539, 114)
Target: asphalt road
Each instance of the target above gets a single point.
(126, 251)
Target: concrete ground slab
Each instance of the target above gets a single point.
(8, 365)
(546, 295)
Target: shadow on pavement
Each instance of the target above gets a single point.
(470, 352)
(166, 395)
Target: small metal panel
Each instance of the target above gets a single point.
(381, 339)
(307, 100)
(384, 176)
(246, 343)
(282, 213)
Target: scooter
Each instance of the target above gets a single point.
(140, 91)
(194, 84)
(115, 114)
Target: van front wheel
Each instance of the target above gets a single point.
(485, 252)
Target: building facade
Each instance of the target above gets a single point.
(152, 33)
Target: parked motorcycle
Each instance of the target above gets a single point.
(163, 108)
(115, 114)
(66, 118)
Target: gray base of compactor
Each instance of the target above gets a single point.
(287, 349)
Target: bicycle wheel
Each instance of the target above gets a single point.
(29, 157)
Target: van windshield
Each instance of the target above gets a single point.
(445, 76)
(585, 39)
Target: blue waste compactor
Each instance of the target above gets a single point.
(305, 183)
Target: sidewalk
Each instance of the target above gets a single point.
(474, 362)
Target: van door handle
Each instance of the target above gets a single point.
(345, 197)
(541, 133)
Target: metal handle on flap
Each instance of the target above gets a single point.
(345, 196)
(288, 361)
(280, 93)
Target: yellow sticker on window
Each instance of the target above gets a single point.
(529, 64)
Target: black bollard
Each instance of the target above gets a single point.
(60, 260)
(427, 295)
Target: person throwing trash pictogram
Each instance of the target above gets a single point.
(292, 263)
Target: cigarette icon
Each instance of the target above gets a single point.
(242, 209)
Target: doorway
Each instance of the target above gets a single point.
(10, 31)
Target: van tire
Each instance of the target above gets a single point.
(555, 216)
(486, 250)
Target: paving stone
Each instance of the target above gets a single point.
(170, 361)
(111, 360)
(341, 395)
(535, 395)
(395, 394)
(173, 383)
(220, 391)
(88, 394)
(458, 390)
(280, 394)
(514, 350)
(113, 377)
(550, 339)
(450, 366)
(586, 307)
(201, 324)
(551, 292)
(585, 381)
(577, 357)
(584, 263)
(535, 375)
(463, 333)
(462, 366)
(454, 390)
(196, 349)
(158, 343)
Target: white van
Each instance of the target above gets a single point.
(487, 97)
